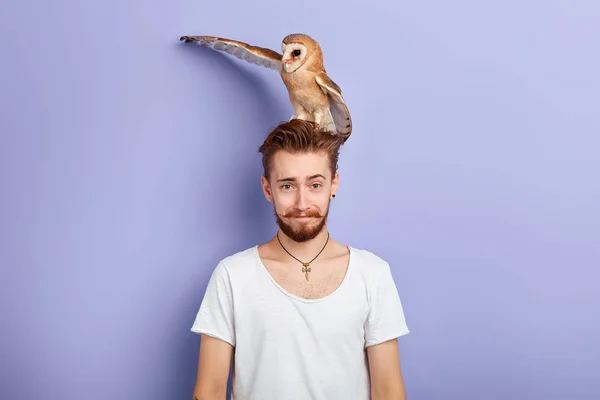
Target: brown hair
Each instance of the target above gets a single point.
(299, 136)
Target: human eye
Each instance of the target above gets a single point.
(286, 186)
(317, 185)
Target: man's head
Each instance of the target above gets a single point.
(300, 176)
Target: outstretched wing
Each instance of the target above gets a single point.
(338, 108)
(256, 55)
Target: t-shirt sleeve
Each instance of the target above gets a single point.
(215, 316)
(385, 320)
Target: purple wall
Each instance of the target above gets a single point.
(128, 168)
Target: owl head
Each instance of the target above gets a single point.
(300, 50)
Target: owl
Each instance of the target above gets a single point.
(312, 93)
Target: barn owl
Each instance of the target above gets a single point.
(313, 95)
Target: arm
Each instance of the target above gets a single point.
(386, 376)
(213, 369)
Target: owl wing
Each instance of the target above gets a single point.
(337, 105)
(256, 55)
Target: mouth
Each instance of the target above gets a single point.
(309, 215)
(304, 217)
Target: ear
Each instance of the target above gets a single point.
(335, 183)
(266, 188)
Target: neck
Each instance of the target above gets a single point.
(304, 251)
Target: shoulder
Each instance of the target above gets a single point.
(368, 263)
(236, 263)
(239, 259)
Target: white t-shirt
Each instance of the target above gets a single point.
(290, 348)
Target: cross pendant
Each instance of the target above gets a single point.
(306, 270)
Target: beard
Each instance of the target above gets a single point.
(303, 233)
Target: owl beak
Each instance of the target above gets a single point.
(286, 64)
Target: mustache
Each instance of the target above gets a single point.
(293, 214)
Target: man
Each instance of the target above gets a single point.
(305, 317)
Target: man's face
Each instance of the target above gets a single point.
(300, 188)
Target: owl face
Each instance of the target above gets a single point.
(294, 56)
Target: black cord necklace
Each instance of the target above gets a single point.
(305, 266)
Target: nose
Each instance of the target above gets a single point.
(301, 200)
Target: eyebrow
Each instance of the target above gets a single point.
(310, 178)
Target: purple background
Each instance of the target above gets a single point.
(128, 167)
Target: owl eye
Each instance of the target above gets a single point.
(296, 53)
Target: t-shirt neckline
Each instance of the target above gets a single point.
(302, 299)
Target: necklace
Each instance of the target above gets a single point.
(305, 266)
